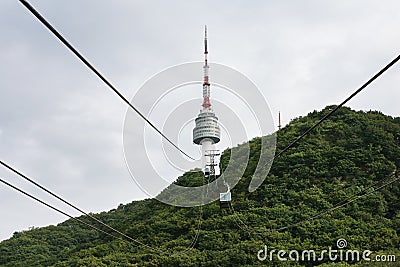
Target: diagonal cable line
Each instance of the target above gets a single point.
(30, 180)
(58, 210)
(115, 90)
(72, 205)
(373, 78)
(98, 74)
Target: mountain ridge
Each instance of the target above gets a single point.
(349, 152)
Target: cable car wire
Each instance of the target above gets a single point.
(72, 205)
(373, 78)
(30, 180)
(58, 210)
(101, 76)
(115, 90)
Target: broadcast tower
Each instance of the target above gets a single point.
(206, 132)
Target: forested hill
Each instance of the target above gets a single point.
(342, 158)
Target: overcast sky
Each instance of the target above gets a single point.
(62, 126)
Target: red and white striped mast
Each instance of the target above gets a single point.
(206, 85)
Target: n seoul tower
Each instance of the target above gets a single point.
(206, 132)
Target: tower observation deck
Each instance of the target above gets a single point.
(206, 132)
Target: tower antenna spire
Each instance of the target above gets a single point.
(205, 39)
(279, 120)
(206, 84)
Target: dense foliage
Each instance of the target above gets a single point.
(343, 157)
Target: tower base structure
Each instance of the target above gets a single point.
(206, 146)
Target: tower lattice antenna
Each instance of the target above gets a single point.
(206, 84)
